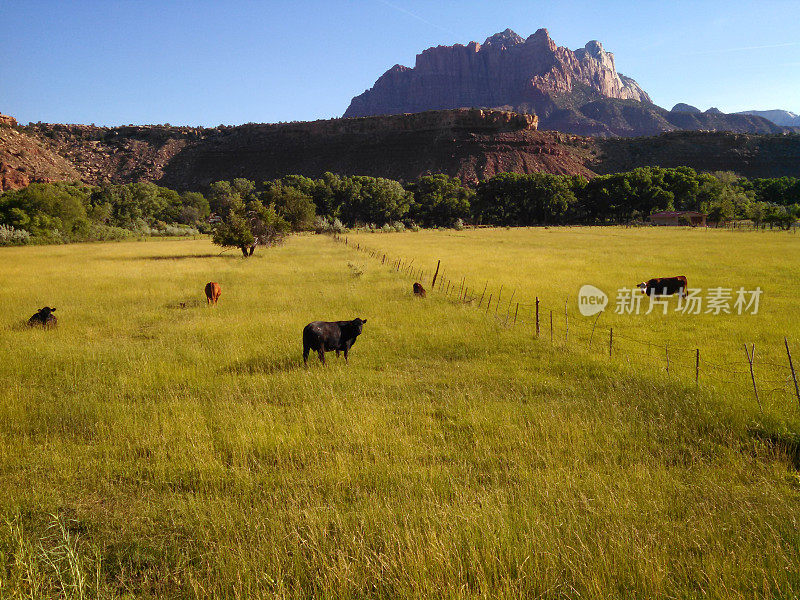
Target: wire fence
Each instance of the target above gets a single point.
(770, 375)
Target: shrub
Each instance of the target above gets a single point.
(458, 224)
(13, 237)
(399, 226)
(326, 225)
(337, 226)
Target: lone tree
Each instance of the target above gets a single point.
(246, 226)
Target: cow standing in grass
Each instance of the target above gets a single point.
(324, 336)
(419, 290)
(213, 290)
(665, 286)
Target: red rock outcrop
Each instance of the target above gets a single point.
(25, 160)
(9, 121)
(504, 71)
(468, 143)
(577, 91)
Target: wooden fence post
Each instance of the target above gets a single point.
(436, 274)
(791, 366)
(666, 350)
(750, 358)
(461, 289)
(697, 366)
(489, 303)
(516, 310)
(496, 306)
(537, 316)
(551, 326)
(566, 322)
(483, 294)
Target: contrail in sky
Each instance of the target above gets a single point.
(743, 48)
(416, 16)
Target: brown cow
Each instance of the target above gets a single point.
(419, 290)
(212, 292)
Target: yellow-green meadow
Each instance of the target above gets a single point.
(152, 446)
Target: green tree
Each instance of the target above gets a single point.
(374, 200)
(439, 200)
(295, 206)
(246, 226)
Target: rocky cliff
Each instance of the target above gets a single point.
(571, 91)
(468, 143)
(25, 160)
(506, 70)
(471, 144)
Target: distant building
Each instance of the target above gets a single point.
(678, 217)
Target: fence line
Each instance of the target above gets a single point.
(674, 359)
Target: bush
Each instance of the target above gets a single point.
(337, 226)
(387, 228)
(399, 226)
(458, 224)
(326, 225)
(13, 237)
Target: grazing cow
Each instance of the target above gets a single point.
(665, 286)
(324, 336)
(212, 292)
(43, 318)
(419, 290)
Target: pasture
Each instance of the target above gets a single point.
(155, 447)
(553, 263)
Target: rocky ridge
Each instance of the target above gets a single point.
(506, 70)
(471, 144)
(25, 160)
(577, 91)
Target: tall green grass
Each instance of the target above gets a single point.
(150, 450)
(553, 263)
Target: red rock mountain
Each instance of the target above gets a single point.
(505, 70)
(576, 91)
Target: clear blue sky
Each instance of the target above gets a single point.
(210, 62)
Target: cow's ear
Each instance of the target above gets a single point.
(363, 320)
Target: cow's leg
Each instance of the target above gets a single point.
(321, 353)
(346, 351)
(305, 355)
(337, 354)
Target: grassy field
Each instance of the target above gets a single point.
(149, 450)
(553, 263)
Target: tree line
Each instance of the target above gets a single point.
(244, 214)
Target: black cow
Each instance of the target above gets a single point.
(419, 290)
(324, 336)
(43, 318)
(665, 286)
